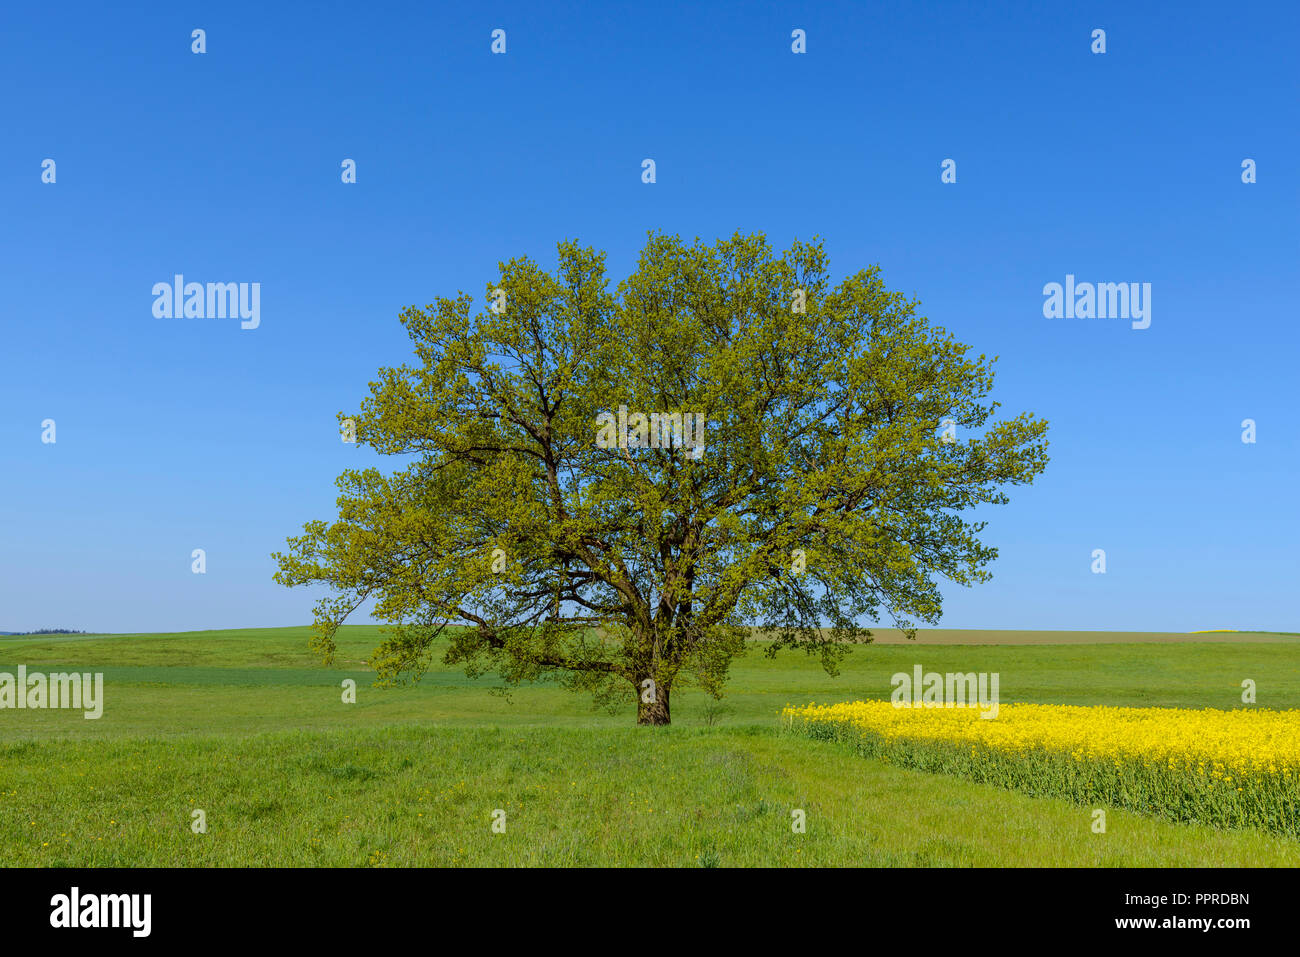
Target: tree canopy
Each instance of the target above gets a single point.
(554, 516)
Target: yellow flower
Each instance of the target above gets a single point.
(1221, 745)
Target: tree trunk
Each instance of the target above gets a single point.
(654, 710)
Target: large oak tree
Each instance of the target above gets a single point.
(845, 441)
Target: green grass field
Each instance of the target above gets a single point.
(250, 728)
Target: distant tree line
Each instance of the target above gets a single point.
(47, 631)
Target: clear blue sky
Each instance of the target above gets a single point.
(1126, 166)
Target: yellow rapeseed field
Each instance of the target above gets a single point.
(1227, 768)
(1241, 741)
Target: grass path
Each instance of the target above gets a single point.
(420, 796)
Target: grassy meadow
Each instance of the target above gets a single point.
(249, 728)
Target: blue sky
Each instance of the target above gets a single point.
(182, 434)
